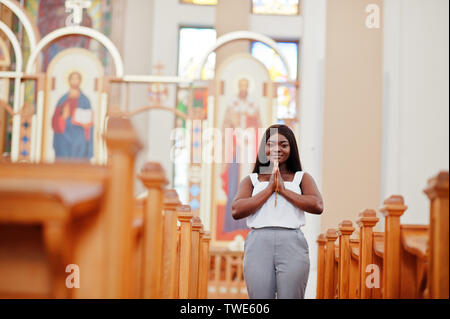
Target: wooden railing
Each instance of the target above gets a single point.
(226, 280)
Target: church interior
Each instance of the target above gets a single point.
(116, 171)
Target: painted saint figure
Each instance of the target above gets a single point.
(243, 112)
(72, 123)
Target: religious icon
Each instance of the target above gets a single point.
(5, 116)
(243, 112)
(244, 100)
(158, 94)
(75, 112)
(5, 60)
(72, 123)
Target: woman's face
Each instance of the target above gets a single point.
(278, 148)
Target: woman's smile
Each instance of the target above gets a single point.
(277, 156)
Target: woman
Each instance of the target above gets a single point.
(274, 198)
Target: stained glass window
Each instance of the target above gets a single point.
(272, 60)
(200, 2)
(276, 7)
(193, 43)
(286, 101)
(286, 92)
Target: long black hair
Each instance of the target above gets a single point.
(293, 162)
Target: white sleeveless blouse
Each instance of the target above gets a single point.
(284, 214)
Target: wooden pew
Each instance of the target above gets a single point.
(336, 271)
(354, 283)
(195, 258)
(321, 246)
(53, 216)
(437, 273)
(367, 220)
(137, 253)
(183, 254)
(174, 255)
(344, 231)
(67, 216)
(171, 203)
(413, 260)
(330, 280)
(41, 223)
(410, 260)
(185, 247)
(204, 265)
(153, 177)
(378, 272)
(393, 208)
(405, 267)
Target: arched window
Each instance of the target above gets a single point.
(275, 7)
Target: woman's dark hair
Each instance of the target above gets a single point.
(293, 162)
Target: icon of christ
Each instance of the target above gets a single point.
(72, 123)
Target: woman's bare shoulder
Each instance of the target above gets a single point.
(245, 188)
(306, 179)
(247, 181)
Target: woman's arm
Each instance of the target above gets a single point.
(310, 201)
(244, 204)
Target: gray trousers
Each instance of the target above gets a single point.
(276, 261)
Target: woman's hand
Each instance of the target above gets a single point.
(279, 180)
(276, 181)
(272, 181)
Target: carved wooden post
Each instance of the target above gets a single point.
(437, 192)
(200, 260)
(367, 220)
(204, 266)
(377, 260)
(345, 230)
(336, 271)
(185, 216)
(123, 145)
(331, 237)
(138, 221)
(354, 269)
(171, 202)
(153, 177)
(59, 251)
(195, 244)
(321, 241)
(393, 208)
(177, 273)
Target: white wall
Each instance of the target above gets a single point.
(137, 53)
(277, 27)
(312, 57)
(416, 100)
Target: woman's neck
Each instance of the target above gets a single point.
(283, 168)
